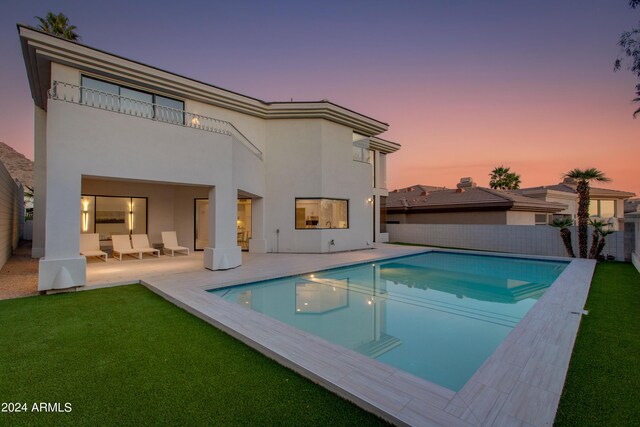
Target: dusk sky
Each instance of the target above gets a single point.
(464, 85)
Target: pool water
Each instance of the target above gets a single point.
(436, 315)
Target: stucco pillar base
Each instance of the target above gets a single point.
(62, 273)
(222, 258)
(37, 252)
(258, 246)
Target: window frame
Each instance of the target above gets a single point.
(124, 86)
(95, 197)
(599, 208)
(295, 206)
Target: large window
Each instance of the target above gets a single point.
(321, 213)
(382, 171)
(110, 96)
(383, 213)
(602, 208)
(107, 215)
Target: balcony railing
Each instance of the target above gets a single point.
(133, 107)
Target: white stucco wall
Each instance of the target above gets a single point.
(87, 148)
(310, 158)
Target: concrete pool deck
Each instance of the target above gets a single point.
(518, 385)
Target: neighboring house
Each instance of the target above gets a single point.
(467, 204)
(122, 147)
(631, 205)
(603, 203)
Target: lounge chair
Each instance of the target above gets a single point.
(170, 242)
(90, 246)
(140, 242)
(122, 246)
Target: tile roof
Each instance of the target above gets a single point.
(423, 197)
(571, 188)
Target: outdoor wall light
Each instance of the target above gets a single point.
(131, 216)
(195, 121)
(370, 200)
(85, 215)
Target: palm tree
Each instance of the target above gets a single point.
(563, 224)
(599, 227)
(503, 179)
(603, 234)
(58, 25)
(584, 177)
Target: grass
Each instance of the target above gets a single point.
(125, 356)
(603, 382)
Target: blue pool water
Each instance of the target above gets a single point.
(436, 315)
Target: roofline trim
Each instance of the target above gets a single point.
(38, 43)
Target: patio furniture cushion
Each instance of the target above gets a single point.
(140, 242)
(170, 242)
(122, 246)
(90, 246)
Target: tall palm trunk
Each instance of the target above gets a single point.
(565, 233)
(583, 216)
(595, 240)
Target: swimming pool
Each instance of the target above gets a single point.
(436, 315)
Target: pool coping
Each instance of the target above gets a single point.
(519, 384)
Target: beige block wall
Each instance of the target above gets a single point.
(11, 214)
(489, 217)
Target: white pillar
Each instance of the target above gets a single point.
(62, 266)
(40, 180)
(224, 252)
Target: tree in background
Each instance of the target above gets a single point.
(58, 25)
(563, 224)
(503, 179)
(583, 178)
(630, 46)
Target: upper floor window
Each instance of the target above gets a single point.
(114, 97)
(602, 208)
(361, 151)
(382, 171)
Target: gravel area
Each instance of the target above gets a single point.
(19, 276)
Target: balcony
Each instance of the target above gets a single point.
(93, 98)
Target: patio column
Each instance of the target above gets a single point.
(224, 252)
(62, 266)
(257, 244)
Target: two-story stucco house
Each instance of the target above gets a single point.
(125, 148)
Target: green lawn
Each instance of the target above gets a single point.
(603, 383)
(125, 356)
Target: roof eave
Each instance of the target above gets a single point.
(39, 49)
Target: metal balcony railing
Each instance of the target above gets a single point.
(134, 107)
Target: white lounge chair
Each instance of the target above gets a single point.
(140, 242)
(90, 246)
(170, 242)
(122, 246)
